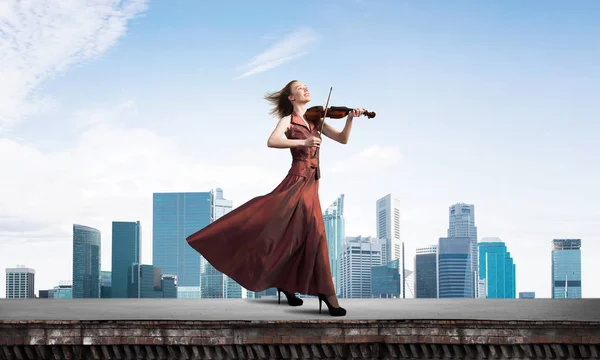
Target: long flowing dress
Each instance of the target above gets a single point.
(277, 239)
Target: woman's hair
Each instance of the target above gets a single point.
(282, 106)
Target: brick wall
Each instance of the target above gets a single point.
(298, 339)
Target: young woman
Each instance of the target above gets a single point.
(278, 239)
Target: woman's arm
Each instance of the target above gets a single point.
(276, 140)
(341, 136)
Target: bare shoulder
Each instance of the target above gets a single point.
(285, 122)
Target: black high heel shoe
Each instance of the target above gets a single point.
(333, 311)
(292, 299)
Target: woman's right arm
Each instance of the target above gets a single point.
(276, 140)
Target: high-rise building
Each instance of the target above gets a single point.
(455, 278)
(216, 285)
(462, 224)
(221, 206)
(497, 270)
(335, 230)
(566, 268)
(20, 283)
(125, 255)
(148, 282)
(388, 227)
(385, 280)
(175, 216)
(106, 284)
(64, 290)
(426, 272)
(359, 257)
(86, 262)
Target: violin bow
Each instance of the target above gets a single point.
(325, 113)
(324, 116)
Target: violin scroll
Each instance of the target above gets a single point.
(316, 113)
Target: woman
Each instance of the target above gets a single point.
(278, 239)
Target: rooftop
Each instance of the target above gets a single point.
(587, 310)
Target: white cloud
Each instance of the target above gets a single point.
(287, 49)
(370, 158)
(108, 175)
(110, 172)
(39, 39)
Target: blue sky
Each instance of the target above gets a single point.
(489, 103)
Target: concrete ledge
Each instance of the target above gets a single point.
(268, 309)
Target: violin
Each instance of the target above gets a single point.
(316, 113)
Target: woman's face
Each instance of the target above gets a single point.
(299, 93)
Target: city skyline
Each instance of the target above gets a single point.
(486, 103)
(177, 204)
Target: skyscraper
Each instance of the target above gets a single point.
(566, 268)
(20, 283)
(221, 206)
(388, 227)
(385, 280)
(462, 224)
(359, 257)
(455, 278)
(496, 270)
(426, 272)
(335, 229)
(86, 262)
(125, 255)
(175, 216)
(216, 285)
(106, 284)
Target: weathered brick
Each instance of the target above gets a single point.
(489, 332)
(330, 340)
(544, 340)
(373, 339)
(333, 332)
(16, 340)
(154, 332)
(220, 341)
(470, 332)
(585, 339)
(468, 340)
(64, 332)
(90, 332)
(399, 331)
(177, 340)
(36, 332)
(173, 332)
(505, 332)
(445, 336)
(493, 340)
(63, 340)
(129, 332)
(34, 340)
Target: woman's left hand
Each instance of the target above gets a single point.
(356, 113)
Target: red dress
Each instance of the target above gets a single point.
(277, 239)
